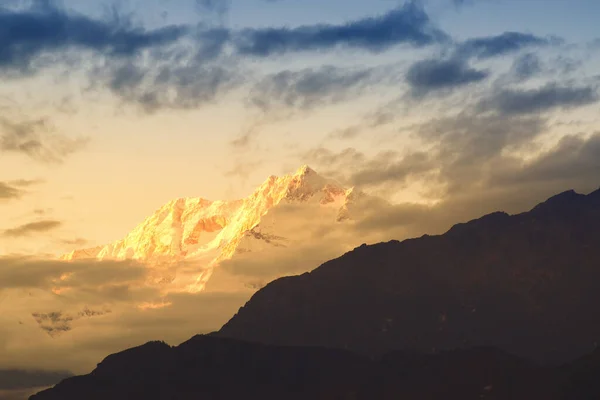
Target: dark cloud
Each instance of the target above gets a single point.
(17, 379)
(37, 139)
(56, 323)
(505, 43)
(548, 97)
(53, 323)
(26, 34)
(430, 75)
(310, 87)
(526, 66)
(407, 24)
(32, 228)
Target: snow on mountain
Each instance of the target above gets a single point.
(183, 241)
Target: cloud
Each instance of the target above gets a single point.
(8, 191)
(526, 66)
(502, 183)
(19, 380)
(32, 228)
(380, 171)
(575, 160)
(505, 43)
(330, 163)
(86, 278)
(431, 75)
(160, 68)
(180, 82)
(14, 189)
(548, 97)
(458, 147)
(309, 87)
(37, 139)
(27, 34)
(69, 315)
(406, 24)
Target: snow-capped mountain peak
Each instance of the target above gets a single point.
(201, 233)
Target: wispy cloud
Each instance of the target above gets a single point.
(164, 83)
(545, 98)
(8, 191)
(307, 88)
(526, 66)
(37, 139)
(32, 228)
(15, 189)
(505, 43)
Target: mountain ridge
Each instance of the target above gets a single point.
(211, 367)
(484, 282)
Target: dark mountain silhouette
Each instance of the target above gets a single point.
(215, 368)
(429, 316)
(528, 284)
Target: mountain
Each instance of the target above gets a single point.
(187, 238)
(528, 284)
(215, 368)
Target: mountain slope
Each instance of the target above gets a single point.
(186, 238)
(212, 368)
(528, 284)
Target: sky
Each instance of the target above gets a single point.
(447, 108)
(110, 109)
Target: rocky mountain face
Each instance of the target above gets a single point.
(528, 284)
(187, 238)
(216, 368)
